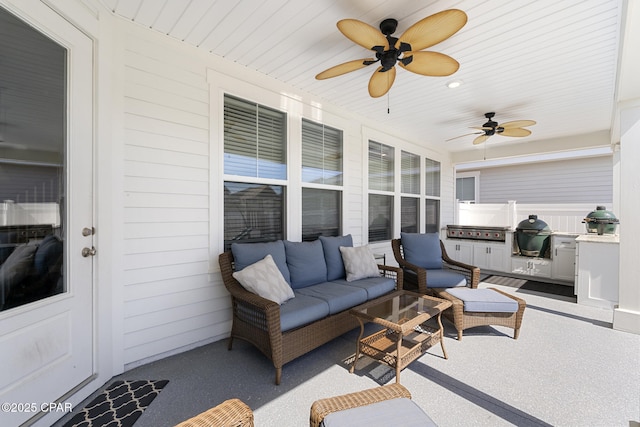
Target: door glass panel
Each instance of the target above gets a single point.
(32, 163)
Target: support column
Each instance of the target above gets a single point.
(626, 317)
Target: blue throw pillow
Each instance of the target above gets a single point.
(422, 250)
(306, 264)
(333, 256)
(245, 254)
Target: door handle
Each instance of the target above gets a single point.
(87, 252)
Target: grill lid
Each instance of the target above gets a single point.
(533, 225)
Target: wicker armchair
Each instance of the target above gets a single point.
(257, 320)
(230, 413)
(420, 280)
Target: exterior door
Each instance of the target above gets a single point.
(46, 201)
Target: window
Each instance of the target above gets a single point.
(321, 154)
(321, 180)
(410, 188)
(254, 140)
(467, 187)
(381, 161)
(254, 147)
(321, 213)
(381, 187)
(432, 192)
(380, 217)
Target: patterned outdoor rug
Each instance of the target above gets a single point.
(120, 404)
(524, 285)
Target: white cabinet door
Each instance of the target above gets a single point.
(538, 267)
(490, 256)
(459, 250)
(564, 258)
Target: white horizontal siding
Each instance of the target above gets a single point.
(586, 180)
(170, 300)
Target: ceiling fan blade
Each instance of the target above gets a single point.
(381, 82)
(517, 124)
(481, 128)
(362, 33)
(430, 63)
(462, 136)
(434, 29)
(343, 68)
(515, 132)
(480, 139)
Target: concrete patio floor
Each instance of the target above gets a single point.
(567, 368)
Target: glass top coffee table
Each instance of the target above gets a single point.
(411, 324)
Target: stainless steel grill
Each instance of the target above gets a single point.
(477, 232)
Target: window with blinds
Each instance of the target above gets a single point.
(432, 178)
(321, 154)
(432, 191)
(253, 212)
(255, 142)
(380, 217)
(410, 170)
(381, 159)
(321, 213)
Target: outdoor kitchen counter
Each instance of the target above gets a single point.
(604, 238)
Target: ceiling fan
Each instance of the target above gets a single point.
(405, 50)
(490, 128)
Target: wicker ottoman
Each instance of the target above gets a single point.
(388, 405)
(482, 307)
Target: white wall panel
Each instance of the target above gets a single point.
(586, 180)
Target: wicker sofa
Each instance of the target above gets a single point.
(319, 310)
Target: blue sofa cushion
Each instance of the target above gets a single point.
(375, 286)
(332, 255)
(245, 254)
(301, 310)
(306, 264)
(338, 296)
(484, 300)
(438, 278)
(393, 412)
(48, 256)
(422, 250)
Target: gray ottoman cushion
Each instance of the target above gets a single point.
(484, 300)
(394, 412)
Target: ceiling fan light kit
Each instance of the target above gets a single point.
(407, 50)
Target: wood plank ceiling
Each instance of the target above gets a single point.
(553, 61)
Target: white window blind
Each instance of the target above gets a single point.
(254, 140)
(321, 154)
(381, 159)
(410, 170)
(432, 181)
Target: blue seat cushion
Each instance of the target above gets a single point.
(393, 412)
(306, 264)
(332, 255)
(245, 254)
(438, 278)
(375, 286)
(338, 296)
(301, 310)
(422, 249)
(484, 300)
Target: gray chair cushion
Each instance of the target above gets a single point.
(339, 297)
(375, 286)
(301, 310)
(422, 250)
(402, 412)
(245, 254)
(484, 300)
(445, 279)
(306, 264)
(332, 255)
